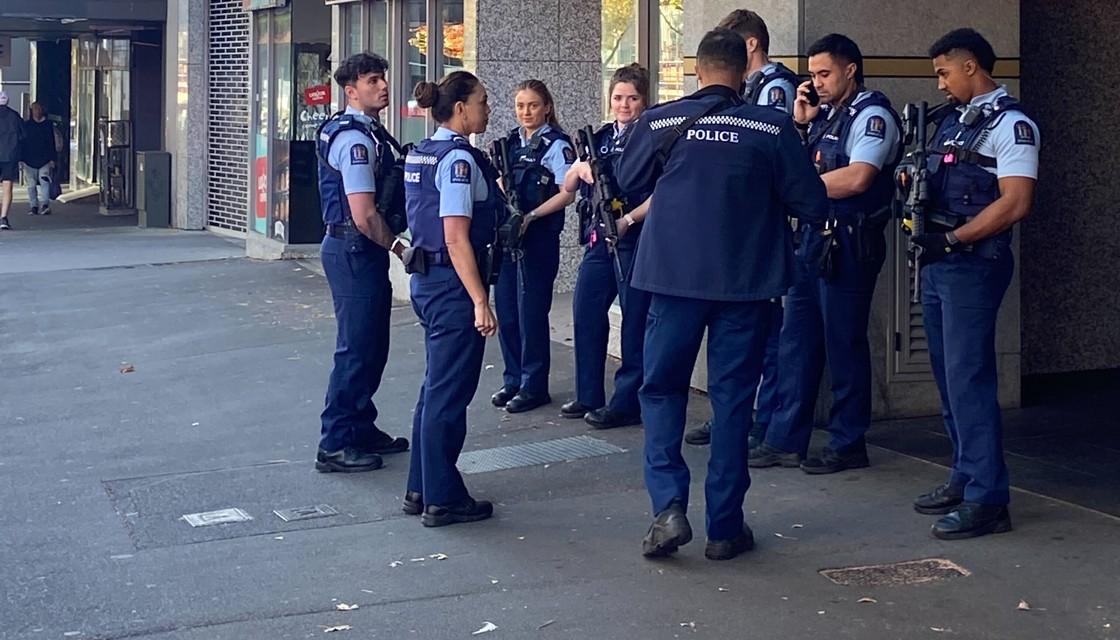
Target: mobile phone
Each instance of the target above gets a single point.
(814, 97)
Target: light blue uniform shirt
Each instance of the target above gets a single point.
(558, 158)
(1012, 140)
(779, 93)
(874, 142)
(353, 154)
(459, 180)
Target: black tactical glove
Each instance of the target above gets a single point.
(935, 246)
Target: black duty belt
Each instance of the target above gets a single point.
(441, 257)
(340, 231)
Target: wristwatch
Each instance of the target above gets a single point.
(396, 241)
(629, 220)
(951, 239)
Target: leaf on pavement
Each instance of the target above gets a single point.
(867, 601)
(127, 368)
(342, 606)
(1024, 606)
(337, 627)
(487, 627)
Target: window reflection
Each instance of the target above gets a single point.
(413, 118)
(619, 45)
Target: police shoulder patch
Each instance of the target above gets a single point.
(776, 97)
(1024, 133)
(569, 154)
(876, 127)
(460, 172)
(359, 154)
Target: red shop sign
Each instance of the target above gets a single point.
(319, 94)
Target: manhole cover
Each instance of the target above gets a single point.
(221, 516)
(534, 453)
(306, 513)
(898, 573)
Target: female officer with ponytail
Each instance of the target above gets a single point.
(453, 205)
(598, 284)
(540, 154)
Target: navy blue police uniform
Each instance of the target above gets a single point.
(827, 311)
(597, 286)
(523, 294)
(446, 176)
(716, 254)
(357, 270)
(962, 292)
(774, 86)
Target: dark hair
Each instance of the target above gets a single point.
(748, 24)
(970, 41)
(841, 47)
(539, 88)
(441, 98)
(634, 74)
(358, 65)
(723, 49)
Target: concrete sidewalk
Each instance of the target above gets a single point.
(224, 365)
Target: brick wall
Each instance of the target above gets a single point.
(228, 131)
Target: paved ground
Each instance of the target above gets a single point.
(225, 362)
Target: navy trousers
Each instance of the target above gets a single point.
(453, 363)
(825, 320)
(357, 272)
(737, 334)
(597, 286)
(961, 295)
(522, 300)
(766, 400)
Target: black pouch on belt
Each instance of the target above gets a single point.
(826, 266)
(415, 260)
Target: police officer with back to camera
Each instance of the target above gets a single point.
(541, 154)
(853, 139)
(453, 205)
(982, 169)
(355, 175)
(769, 84)
(716, 254)
(603, 277)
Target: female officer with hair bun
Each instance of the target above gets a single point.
(453, 205)
(541, 154)
(598, 284)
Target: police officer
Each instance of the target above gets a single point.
(541, 154)
(355, 253)
(453, 204)
(716, 253)
(983, 166)
(597, 283)
(853, 139)
(769, 84)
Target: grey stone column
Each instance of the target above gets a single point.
(556, 41)
(185, 115)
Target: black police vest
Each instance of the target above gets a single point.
(779, 71)
(422, 195)
(959, 182)
(332, 194)
(827, 141)
(534, 182)
(610, 148)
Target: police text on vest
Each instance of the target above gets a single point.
(712, 136)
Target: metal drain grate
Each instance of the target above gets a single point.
(534, 453)
(898, 573)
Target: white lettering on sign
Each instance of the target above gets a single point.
(712, 136)
(412, 176)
